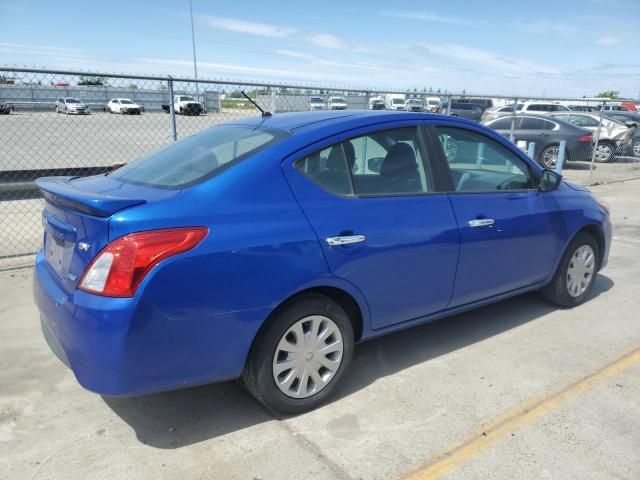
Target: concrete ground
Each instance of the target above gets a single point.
(518, 389)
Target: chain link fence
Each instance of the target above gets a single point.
(78, 124)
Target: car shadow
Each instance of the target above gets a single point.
(578, 166)
(183, 417)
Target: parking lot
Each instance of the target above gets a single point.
(518, 389)
(46, 140)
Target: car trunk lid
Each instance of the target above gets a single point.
(76, 221)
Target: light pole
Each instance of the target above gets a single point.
(193, 43)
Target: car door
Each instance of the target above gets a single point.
(371, 199)
(509, 230)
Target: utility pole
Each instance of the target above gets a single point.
(193, 43)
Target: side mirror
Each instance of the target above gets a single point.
(630, 124)
(549, 181)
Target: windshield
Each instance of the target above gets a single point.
(197, 157)
(185, 98)
(125, 101)
(72, 100)
(415, 102)
(315, 100)
(338, 100)
(397, 101)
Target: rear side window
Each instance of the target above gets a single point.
(530, 123)
(501, 124)
(198, 157)
(383, 163)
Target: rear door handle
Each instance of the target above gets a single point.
(481, 222)
(345, 240)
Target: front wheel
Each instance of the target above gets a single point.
(604, 152)
(576, 273)
(297, 361)
(636, 148)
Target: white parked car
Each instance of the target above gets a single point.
(123, 106)
(337, 103)
(72, 106)
(543, 108)
(317, 103)
(396, 101)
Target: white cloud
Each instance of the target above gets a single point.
(31, 49)
(485, 59)
(424, 16)
(328, 40)
(608, 41)
(544, 27)
(244, 26)
(313, 59)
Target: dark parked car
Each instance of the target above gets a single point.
(484, 103)
(464, 110)
(5, 108)
(547, 132)
(265, 249)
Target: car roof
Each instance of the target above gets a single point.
(332, 119)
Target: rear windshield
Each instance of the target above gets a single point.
(198, 157)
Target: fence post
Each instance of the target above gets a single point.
(595, 147)
(560, 159)
(531, 149)
(172, 112)
(449, 105)
(513, 119)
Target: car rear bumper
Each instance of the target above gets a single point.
(124, 346)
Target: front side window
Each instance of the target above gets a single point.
(387, 162)
(198, 157)
(480, 164)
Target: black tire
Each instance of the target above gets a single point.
(557, 291)
(258, 372)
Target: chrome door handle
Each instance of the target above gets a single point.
(345, 240)
(481, 222)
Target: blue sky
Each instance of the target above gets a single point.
(543, 47)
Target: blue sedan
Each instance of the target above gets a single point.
(266, 248)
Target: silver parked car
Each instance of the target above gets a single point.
(71, 105)
(614, 138)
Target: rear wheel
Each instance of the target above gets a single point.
(576, 273)
(548, 157)
(297, 361)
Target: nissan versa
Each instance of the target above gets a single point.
(264, 249)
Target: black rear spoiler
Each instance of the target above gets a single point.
(60, 191)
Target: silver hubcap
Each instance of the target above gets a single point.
(308, 356)
(550, 157)
(580, 271)
(603, 153)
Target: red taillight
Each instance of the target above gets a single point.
(586, 138)
(120, 267)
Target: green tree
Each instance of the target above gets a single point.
(612, 94)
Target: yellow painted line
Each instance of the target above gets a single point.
(517, 417)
